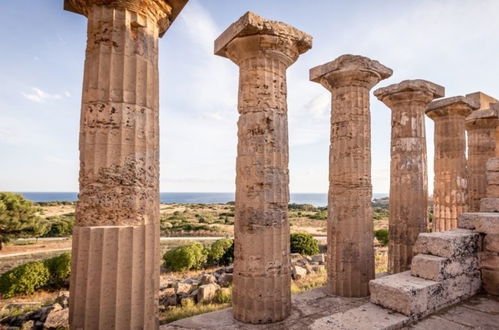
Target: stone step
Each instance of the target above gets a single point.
(417, 297)
(448, 244)
(482, 222)
(489, 204)
(403, 293)
(438, 269)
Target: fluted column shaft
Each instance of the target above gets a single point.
(481, 147)
(262, 277)
(408, 174)
(350, 223)
(115, 255)
(450, 196)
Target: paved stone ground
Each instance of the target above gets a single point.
(315, 309)
(478, 312)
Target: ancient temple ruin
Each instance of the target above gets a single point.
(115, 274)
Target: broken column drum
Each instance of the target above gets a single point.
(115, 255)
(481, 127)
(350, 225)
(263, 50)
(450, 196)
(408, 169)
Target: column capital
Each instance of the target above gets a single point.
(163, 12)
(484, 118)
(254, 34)
(457, 105)
(483, 100)
(350, 70)
(408, 91)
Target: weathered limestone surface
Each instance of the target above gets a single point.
(115, 265)
(409, 177)
(483, 100)
(481, 127)
(450, 184)
(446, 272)
(349, 78)
(448, 244)
(263, 50)
(486, 223)
(438, 268)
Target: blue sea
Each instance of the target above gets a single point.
(316, 199)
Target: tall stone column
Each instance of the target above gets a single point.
(115, 255)
(408, 174)
(450, 195)
(481, 127)
(263, 50)
(350, 224)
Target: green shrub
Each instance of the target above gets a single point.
(382, 236)
(223, 296)
(221, 252)
(60, 226)
(24, 279)
(304, 244)
(319, 215)
(59, 268)
(187, 257)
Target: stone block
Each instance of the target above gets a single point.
(182, 288)
(489, 260)
(225, 279)
(320, 258)
(489, 204)
(207, 292)
(404, 293)
(493, 178)
(467, 220)
(488, 224)
(298, 272)
(490, 281)
(491, 243)
(492, 165)
(438, 269)
(493, 190)
(448, 244)
(459, 288)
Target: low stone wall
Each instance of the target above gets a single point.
(9, 262)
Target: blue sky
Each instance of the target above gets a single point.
(454, 43)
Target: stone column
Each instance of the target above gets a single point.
(481, 127)
(350, 224)
(408, 174)
(450, 195)
(263, 50)
(115, 255)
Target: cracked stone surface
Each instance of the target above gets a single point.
(408, 175)
(263, 50)
(350, 78)
(115, 266)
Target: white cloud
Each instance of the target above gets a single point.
(39, 96)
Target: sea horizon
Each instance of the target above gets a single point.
(316, 199)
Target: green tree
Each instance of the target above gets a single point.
(18, 218)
